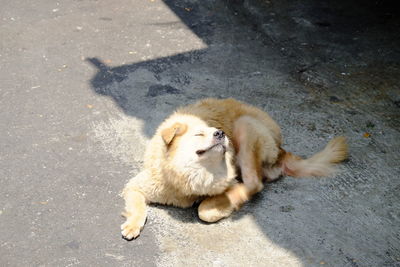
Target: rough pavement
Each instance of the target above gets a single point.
(83, 84)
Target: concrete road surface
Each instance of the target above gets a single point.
(84, 84)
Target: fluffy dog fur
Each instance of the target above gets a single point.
(197, 153)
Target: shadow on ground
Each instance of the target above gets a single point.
(322, 69)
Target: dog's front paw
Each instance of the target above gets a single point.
(131, 229)
(215, 208)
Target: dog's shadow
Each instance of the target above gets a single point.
(185, 215)
(190, 215)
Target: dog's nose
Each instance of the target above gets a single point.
(219, 134)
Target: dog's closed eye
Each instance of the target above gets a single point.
(200, 152)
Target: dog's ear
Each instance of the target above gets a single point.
(169, 133)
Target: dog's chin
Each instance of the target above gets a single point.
(220, 148)
(215, 148)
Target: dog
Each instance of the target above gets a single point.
(199, 151)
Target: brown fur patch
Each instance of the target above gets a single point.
(169, 133)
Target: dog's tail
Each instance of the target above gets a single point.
(320, 164)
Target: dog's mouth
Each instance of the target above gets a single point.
(212, 147)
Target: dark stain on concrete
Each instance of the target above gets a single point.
(74, 244)
(159, 89)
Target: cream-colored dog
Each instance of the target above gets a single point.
(197, 152)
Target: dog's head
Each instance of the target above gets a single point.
(195, 143)
(199, 153)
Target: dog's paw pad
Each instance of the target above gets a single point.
(130, 230)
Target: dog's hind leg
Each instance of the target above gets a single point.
(214, 208)
(255, 147)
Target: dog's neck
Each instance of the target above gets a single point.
(213, 177)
